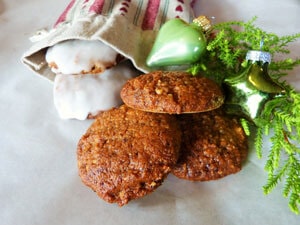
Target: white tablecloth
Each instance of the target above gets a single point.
(38, 169)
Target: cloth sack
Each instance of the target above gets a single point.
(128, 26)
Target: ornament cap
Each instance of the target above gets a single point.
(204, 23)
(261, 56)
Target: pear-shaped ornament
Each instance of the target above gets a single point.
(179, 43)
(248, 92)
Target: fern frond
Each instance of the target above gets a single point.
(246, 126)
(273, 179)
(293, 178)
(294, 202)
(259, 142)
(274, 156)
(286, 119)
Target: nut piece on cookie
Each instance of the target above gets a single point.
(127, 153)
(214, 145)
(172, 92)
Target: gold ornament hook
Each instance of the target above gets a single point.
(204, 22)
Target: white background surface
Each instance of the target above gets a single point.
(38, 171)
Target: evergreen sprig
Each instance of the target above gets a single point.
(283, 162)
(229, 43)
(225, 56)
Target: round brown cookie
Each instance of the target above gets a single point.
(172, 92)
(214, 145)
(127, 153)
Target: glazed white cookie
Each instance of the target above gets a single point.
(80, 57)
(81, 96)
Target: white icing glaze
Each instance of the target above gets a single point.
(75, 96)
(77, 56)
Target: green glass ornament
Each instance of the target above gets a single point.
(248, 92)
(179, 43)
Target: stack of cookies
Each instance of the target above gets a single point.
(89, 77)
(171, 122)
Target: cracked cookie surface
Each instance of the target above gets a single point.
(127, 153)
(172, 92)
(214, 145)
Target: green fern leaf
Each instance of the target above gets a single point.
(259, 142)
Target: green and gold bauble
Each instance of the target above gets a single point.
(179, 43)
(248, 92)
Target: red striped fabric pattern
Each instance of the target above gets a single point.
(150, 15)
(97, 6)
(63, 16)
